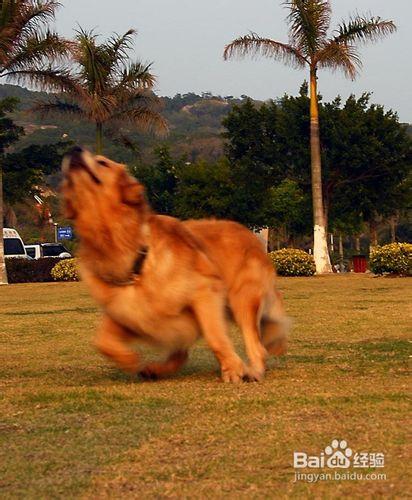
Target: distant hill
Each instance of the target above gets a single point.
(26, 97)
(195, 126)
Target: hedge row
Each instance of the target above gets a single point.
(30, 270)
(41, 270)
(288, 262)
(65, 270)
(293, 262)
(395, 258)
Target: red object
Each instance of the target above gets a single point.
(360, 264)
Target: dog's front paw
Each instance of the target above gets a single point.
(236, 371)
(253, 374)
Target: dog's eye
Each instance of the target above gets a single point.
(103, 163)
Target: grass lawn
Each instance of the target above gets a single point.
(71, 425)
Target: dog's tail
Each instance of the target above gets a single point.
(275, 326)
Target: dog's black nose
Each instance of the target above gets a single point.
(76, 151)
(73, 159)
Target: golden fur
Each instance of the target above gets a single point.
(193, 271)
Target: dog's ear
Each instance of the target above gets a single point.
(132, 192)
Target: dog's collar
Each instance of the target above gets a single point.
(140, 259)
(136, 269)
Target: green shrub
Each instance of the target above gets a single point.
(65, 270)
(293, 262)
(29, 270)
(395, 258)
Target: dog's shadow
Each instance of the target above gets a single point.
(189, 371)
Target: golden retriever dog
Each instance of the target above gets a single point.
(166, 282)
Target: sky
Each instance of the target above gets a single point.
(185, 39)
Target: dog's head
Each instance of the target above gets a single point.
(95, 184)
(108, 208)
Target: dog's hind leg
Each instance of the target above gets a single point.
(170, 366)
(209, 310)
(112, 340)
(246, 309)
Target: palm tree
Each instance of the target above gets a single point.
(310, 45)
(107, 88)
(29, 53)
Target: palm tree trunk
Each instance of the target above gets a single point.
(3, 273)
(341, 256)
(392, 224)
(373, 232)
(271, 239)
(320, 243)
(99, 138)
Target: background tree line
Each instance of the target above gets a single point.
(263, 180)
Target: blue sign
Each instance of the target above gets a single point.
(64, 233)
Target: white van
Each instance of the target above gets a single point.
(13, 244)
(41, 250)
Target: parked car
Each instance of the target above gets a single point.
(13, 244)
(41, 250)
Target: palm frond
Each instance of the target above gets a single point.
(21, 19)
(118, 45)
(255, 45)
(141, 108)
(309, 22)
(100, 108)
(144, 119)
(26, 15)
(342, 56)
(45, 77)
(364, 29)
(37, 48)
(136, 76)
(139, 98)
(57, 106)
(93, 61)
